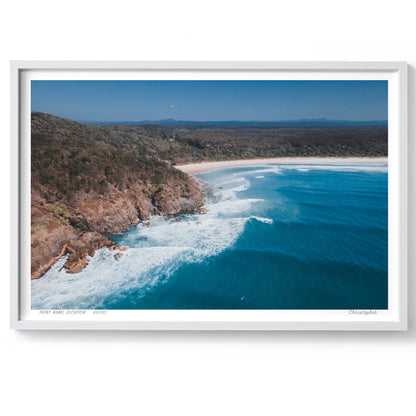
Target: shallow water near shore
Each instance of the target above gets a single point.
(274, 237)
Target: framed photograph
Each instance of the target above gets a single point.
(209, 195)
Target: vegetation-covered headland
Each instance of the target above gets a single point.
(87, 181)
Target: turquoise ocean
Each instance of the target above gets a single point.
(273, 237)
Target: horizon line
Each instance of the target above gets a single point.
(214, 121)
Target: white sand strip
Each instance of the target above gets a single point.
(203, 166)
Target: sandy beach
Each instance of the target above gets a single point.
(203, 166)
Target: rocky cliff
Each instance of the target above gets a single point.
(89, 180)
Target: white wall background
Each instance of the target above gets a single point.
(110, 373)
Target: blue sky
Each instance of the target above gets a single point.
(211, 100)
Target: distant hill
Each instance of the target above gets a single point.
(319, 122)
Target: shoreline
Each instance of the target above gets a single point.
(205, 166)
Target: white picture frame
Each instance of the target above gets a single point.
(395, 317)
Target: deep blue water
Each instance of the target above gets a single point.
(274, 237)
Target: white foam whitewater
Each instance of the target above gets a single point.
(159, 250)
(339, 168)
(156, 252)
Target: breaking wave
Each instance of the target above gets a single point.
(339, 168)
(156, 252)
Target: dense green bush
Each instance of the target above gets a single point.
(68, 157)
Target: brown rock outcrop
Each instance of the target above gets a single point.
(78, 234)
